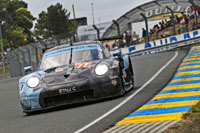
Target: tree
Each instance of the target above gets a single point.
(16, 34)
(18, 22)
(41, 31)
(24, 19)
(54, 22)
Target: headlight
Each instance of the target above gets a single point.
(33, 82)
(101, 69)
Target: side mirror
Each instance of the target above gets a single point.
(28, 70)
(117, 53)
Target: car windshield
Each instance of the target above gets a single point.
(64, 58)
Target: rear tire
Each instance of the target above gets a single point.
(132, 73)
(122, 92)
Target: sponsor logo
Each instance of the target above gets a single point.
(59, 70)
(82, 65)
(114, 82)
(24, 99)
(67, 90)
(169, 40)
(124, 74)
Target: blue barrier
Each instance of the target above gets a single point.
(166, 41)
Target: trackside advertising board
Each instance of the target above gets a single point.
(164, 41)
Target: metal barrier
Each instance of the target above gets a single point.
(30, 55)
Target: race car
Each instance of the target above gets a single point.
(75, 73)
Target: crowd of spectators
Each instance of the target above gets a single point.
(128, 39)
(183, 22)
(1, 61)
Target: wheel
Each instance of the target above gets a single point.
(132, 73)
(122, 93)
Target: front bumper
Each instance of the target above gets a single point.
(90, 89)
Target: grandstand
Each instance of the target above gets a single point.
(154, 11)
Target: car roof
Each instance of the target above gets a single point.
(74, 44)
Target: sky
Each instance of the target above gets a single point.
(104, 10)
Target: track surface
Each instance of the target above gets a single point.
(73, 118)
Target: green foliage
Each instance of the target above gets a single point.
(18, 22)
(16, 34)
(5, 44)
(24, 19)
(41, 30)
(53, 23)
(194, 109)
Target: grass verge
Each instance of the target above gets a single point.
(7, 72)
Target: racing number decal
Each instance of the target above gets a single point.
(81, 65)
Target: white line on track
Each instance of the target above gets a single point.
(128, 98)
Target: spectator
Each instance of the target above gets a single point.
(121, 43)
(128, 38)
(182, 13)
(144, 34)
(135, 38)
(107, 46)
(186, 22)
(192, 13)
(161, 25)
(151, 32)
(198, 9)
(115, 46)
(179, 29)
(166, 33)
(166, 22)
(177, 19)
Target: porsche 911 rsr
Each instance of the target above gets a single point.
(75, 73)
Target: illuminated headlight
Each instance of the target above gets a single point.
(33, 82)
(101, 69)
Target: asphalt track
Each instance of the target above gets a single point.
(71, 119)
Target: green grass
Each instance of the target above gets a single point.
(7, 72)
(194, 45)
(194, 109)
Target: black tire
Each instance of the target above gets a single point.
(132, 73)
(123, 92)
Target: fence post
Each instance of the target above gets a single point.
(147, 28)
(173, 21)
(195, 15)
(98, 33)
(20, 66)
(29, 56)
(118, 27)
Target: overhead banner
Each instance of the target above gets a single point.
(164, 10)
(163, 17)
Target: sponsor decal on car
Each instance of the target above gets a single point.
(82, 65)
(67, 90)
(59, 70)
(124, 74)
(114, 82)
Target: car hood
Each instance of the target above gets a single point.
(71, 73)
